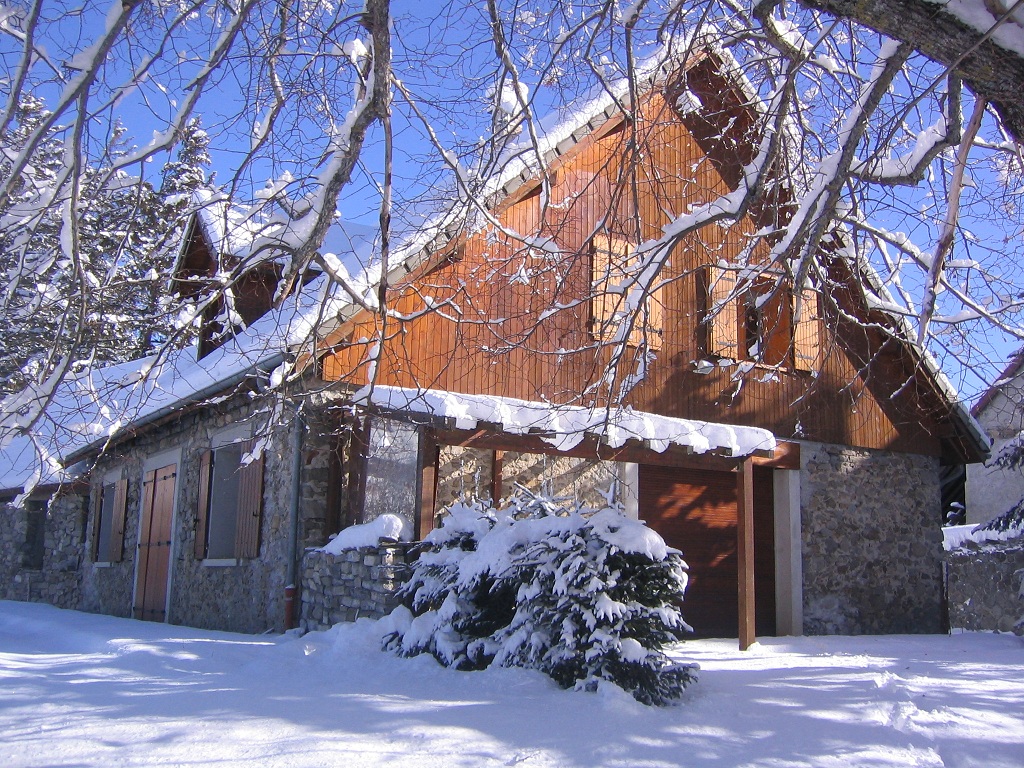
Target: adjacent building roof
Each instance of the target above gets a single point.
(1012, 370)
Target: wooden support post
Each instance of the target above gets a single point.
(427, 484)
(745, 550)
(497, 463)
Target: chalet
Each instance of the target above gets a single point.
(787, 439)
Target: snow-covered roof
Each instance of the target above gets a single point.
(254, 234)
(89, 409)
(565, 427)
(93, 408)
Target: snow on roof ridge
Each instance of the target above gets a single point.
(565, 426)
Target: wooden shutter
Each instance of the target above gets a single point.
(725, 319)
(250, 505)
(606, 272)
(205, 464)
(807, 333)
(117, 520)
(613, 264)
(429, 456)
(97, 515)
(145, 531)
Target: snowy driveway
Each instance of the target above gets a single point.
(83, 690)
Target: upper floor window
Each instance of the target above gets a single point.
(758, 322)
(614, 272)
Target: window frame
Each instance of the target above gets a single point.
(613, 263)
(108, 539)
(247, 500)
(734, 319)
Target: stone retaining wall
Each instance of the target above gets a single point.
(354, 584)
(56, 579)
(984, 587)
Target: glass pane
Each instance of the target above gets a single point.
(391, 467)
(222, 516)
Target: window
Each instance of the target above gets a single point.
(110, 502)
(35, 531)
(614, 271)
(392, 469)
(807, 332)
(230, 503)
(766, 323)
(758, 324)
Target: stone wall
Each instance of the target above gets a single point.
(243, 595)
(872, 543)
(354, 584)
(57, 580)
(465, 474)
(984, 587)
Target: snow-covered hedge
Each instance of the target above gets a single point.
(583, 596)
(1008, 525)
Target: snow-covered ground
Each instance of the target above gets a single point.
(78, 689)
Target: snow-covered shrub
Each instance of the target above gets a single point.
(1010, 523)
(581, 595)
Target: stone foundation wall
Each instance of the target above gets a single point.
(984, 587)
(354, 584)
(57, 581)
(872, 543)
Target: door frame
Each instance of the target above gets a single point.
(152, 463)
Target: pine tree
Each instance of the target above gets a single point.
(106, 299)
(584, 596)
(154, 235)
(36, 276)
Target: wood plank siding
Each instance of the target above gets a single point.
(516, 317)
(696, 512)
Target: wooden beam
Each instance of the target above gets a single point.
(426, 484)
(588, 448)
(745, 550)
(785, 456)
(497, 464)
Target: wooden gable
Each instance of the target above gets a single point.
(531, 317)
(251, 292)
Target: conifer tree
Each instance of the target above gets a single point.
(92, 283)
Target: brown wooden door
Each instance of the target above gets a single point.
(695, 512)
(155, 544)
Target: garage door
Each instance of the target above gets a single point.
(695, 512)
